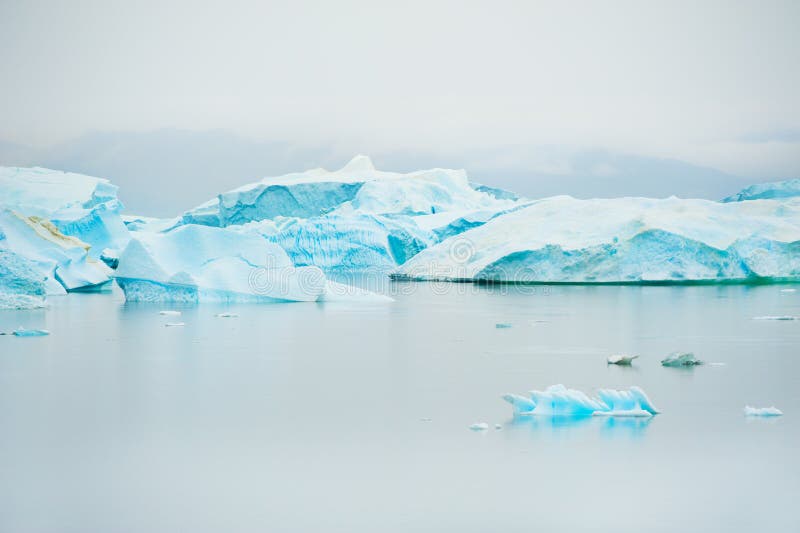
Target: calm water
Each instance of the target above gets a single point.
(312, 417)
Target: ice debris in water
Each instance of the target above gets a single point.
(623, 360)
(498, 426)
(170, 313)
(226, 315)
(479, 426)
(788, 290)
(681, 359)
(174, 324)
(502, 325)
(22, 332)
(557, 400)
(762, 411)
(778, 317)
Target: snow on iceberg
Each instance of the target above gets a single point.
(79, 206)
(559, 401)
(621, 240)
(762, 411)
(767, 191)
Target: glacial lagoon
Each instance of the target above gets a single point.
(351, 417)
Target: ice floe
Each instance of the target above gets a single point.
(681, 359)
(22, 332)
(622, 360)
(762, 411)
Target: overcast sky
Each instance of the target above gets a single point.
(711, 83)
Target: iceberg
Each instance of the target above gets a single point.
(479, 426)
(621, 240)
(622, 360)
(559, 401)
(762, 411)
(777, 317)
(194, 263)
(201, 263)
(767, 191)
(78, 206)
(681, 359)
(356, 188)
(356, 218)
(61, 260)
(60, 224)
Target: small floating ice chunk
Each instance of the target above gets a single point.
(502, 325)
(498, 426)
(622, 360)
(558, 401)
(779, 317)
(174, 324)
(170, 313)
(479, 426)
(681, 359)
(22, 332)
(788, 290)
(762, 411)
(226, 315)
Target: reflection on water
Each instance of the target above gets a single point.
(561, 427)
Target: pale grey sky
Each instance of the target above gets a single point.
(711, 83)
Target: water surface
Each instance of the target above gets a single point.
(350, 417)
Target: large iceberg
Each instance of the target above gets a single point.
(79, 206)
(766, 191)
(195, 263)
(357, 187)
(54, 227)
(559, 401)
(355, 218)
(622, 240)
(61, 261)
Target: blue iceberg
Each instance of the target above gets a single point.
(559, 401)
(622, 240)
(59, 224)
